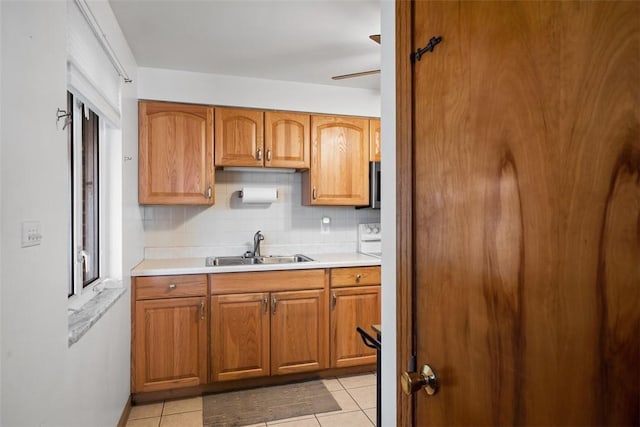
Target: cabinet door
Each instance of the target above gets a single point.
(286, 140)
(299, 331)
(175, 154)
(374, 140)
(339, 171)
(353, 307)
(239, 336)
(239, 137)
(170, 344)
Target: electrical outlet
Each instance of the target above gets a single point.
(31, 233)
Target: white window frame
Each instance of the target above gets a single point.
(78, 293)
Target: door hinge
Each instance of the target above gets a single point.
(417, 55)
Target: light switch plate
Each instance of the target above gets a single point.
(31, 233)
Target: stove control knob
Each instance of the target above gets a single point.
(376, 230)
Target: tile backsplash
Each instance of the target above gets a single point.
(227, 228)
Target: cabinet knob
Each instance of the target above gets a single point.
(358, 277)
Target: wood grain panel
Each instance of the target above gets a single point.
(375, 148)
(339, 171)
(175, 153)
(151, 287)
(239, 137)
(405, 334)
(171, 344)
(239, 336)
(527, 193)
(286, 140)
(266, 281)
(350, 308)
(355, 276)
(299, 331)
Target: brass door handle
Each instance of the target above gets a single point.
(426, 379)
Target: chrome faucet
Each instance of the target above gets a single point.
(257, 238)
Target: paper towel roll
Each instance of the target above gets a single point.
(259, 194)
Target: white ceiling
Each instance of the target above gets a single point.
(293, 40)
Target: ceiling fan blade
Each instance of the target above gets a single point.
(360, 74)
(375, 38)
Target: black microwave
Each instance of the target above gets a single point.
(374, 186)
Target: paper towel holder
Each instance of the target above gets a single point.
(241, 195)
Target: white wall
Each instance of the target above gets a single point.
(43, 381)
(34, 317)
(388, 220)
(228, 227)
(199, 88)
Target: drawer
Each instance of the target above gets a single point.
(355, 276)
(170, 286)
(267, 281)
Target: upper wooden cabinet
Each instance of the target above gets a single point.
(239, 137)
(374, 140)
(339, 170)
(257, 138)
(286, 140)
(175, 154)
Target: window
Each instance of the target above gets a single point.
(84, 148)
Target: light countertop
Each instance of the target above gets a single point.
(175, 266)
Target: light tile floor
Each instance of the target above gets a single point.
(355, 394)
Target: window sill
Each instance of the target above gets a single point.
(81, 320)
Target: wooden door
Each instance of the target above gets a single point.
(239, 336)
(171, 344)
(239, 137)
(175, 154)
(339, 172)
(350, 308)
(299, 331)
(525, 213)
(286, 140)
(375, 148)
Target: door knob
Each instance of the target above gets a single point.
(427, 379)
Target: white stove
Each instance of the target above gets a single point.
(370, 239)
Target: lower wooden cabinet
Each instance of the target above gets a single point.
(170, 344)
(355, 301)
(353, 307)
(268, 333)
(239, 336)
(188, 330)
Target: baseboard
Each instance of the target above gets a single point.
(125, 413)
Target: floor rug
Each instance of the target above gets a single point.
(259, 405)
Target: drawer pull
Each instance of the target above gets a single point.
(172, 285)
(358, 277)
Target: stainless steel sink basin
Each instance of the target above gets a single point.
(240, 260)
(278, 259)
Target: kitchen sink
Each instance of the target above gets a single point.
(240, 260)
